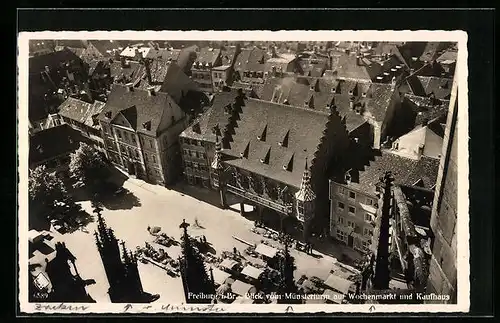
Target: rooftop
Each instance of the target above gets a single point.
(370, 166)
(43, 143)
(143, 112)
(81, 111)
(275, 124)
(440, 87)
(207, 55)
(53, 60)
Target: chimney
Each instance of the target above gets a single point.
(138, 55)
(347, 177)
(130, 87)
(351, 103)
(359, 62)
(123, 60)
(148, 70)
(47, 69)
(151, 91)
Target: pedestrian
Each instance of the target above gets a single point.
(204, 239)
(235, 251)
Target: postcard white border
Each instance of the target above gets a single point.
(463, 256)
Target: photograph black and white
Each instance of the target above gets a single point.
(242, 173)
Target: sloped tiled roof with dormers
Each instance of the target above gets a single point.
(140, 108)
(81, 111)
(207, 55)
(441, 87)
(301, 143)
(370, 166)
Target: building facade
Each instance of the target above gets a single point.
(198, 140)
(443, 265)
(83, 117)
(270, 163)
(202, 68)
(140, 131)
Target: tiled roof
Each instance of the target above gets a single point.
(390, 49)
(441, 87)
(228, 55)
(448, 56)
(164, 54)
(405, 171)
(130, 51)
(52, 60)
(140, 108)
(131, 71)
(213, 116)
(249, 56)
(106, 47)
(431, 51)
(348, 68)
(53, 142)
(81, 111)
(159, 70)
(279, 120)
(208, 55)
(74, 43)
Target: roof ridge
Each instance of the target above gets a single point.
(290, 106)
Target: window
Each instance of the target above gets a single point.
(341, 205)
(151, 143)
(366, 244)
(300, 207)
(369, 201)
(341, 235)
(203, 155)
(352, 210)
(351, 224)
(133, 138)
(136, 153)
(341, 220)
(368, 232)
(341, 190)
(154, 159)
(126, 136)
(368, 217)
(186, 152)
(119, 134)
(352, 195)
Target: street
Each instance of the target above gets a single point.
(166, 208)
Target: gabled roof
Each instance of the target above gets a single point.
(370, 166)
(131, 71)
(130, 51)
(214, 116)
(53, 142)
(139, 108)
(164, 54)
(348, 68)
(53, 60)
(431, 51)
(228, 55)
(249, 56)
(107, 47)
(208, 55)
(81, 111)
(255, 115)
(441, 87)
(449, 56)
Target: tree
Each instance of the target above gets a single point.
(44, 189)
(89, 167)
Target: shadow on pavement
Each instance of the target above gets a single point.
(125, 200)
(203, 194)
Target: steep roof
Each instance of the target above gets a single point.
(348, 68)
(81, 111)
(139, 108)
(53, 60)
(208, 55)
(249, 56)
(130, 71)
(228, 55)
(441, 87)
(213, 116)
(53, 142)
(278, 121)
(107, 47)
(448, 56)
(164, 54)
(371, 166)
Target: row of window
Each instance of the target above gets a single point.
(253, 74)
(130, 137)
(205, 85)
(352, 211)
(194, 153)
(218, 75)
(195, 180)
(352, 195)
(196, 166)
(200, 76)
(192, 142)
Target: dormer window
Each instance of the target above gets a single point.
(363, 94)
(108, 114)
(244, 153)
(265, 159)
(288, 162)
(40, 149)
(262, 135)
(284, 141)
(147, 125)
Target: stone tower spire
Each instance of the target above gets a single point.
(306, 193)
(217, 172)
